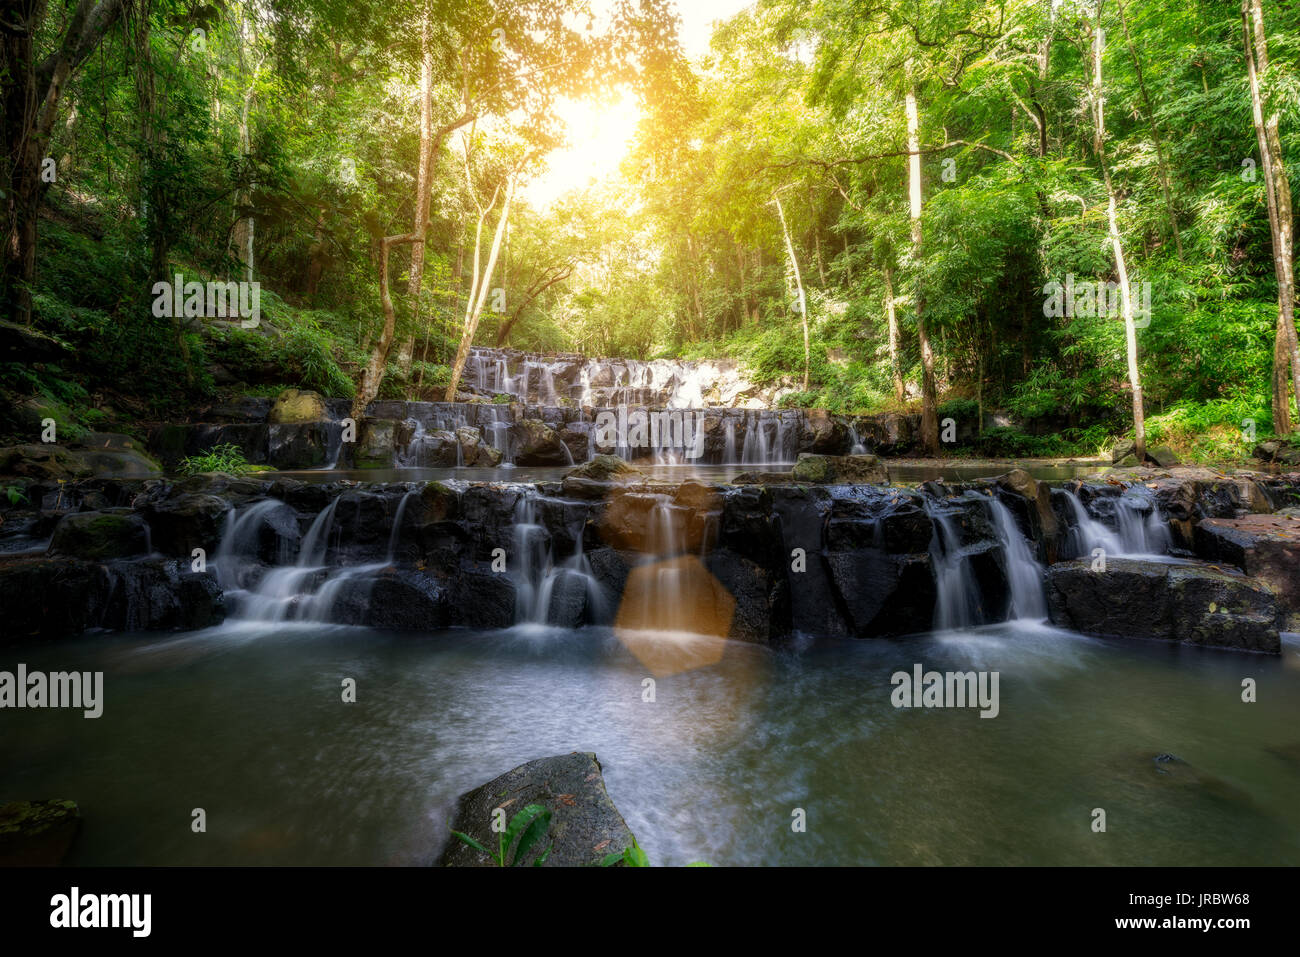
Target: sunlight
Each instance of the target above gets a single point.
(599, 134)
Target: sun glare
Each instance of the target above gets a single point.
(600, 135)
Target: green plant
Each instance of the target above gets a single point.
(635, 857)
(228, 458)
(15, 495)
(530, 825)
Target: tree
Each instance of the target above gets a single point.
(32, 96)
(1277, 191)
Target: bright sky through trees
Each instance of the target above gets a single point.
(601, 133)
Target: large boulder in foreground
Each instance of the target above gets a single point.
(1266, 547)
(585, 824)
(1190, 603)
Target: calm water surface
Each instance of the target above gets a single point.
(246, 722)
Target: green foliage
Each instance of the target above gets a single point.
(15, 494)
(633, 856)
(530, 825)
(227, 457)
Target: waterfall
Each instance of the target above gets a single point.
(397, 524)
(859, 448)
(1140, 529)
(1024, 574)
(755, 451)
(238, 538)
(536, 575)
(957, 605)
(729, 446)
(304, 590)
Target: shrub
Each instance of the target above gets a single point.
(228, 458)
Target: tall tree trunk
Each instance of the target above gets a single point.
(479, 291)
(32, 95)
(1277, 191)
(895, 366)
(929, 401)
(420, 226)
(1162, 168)
(1112, 219)
(798, 282)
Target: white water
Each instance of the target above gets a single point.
(1140, 532)
(1024, 574)
(957, 604)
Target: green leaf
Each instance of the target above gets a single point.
(518, 824)
(532, 834)
(474, 844)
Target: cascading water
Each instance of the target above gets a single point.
(755, 450)
(729, 443)
(305, 590)
(1140, 529)
(1024, 574)
(957, 604)
(537, 576)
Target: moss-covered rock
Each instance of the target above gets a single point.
(97, 536)
(37, 833)
(605, 468)
(838, 470)
(292, 407)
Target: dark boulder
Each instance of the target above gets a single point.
(1266, 547)
(585, 825)
(97, 536)
(185, 522)
(1194, 604)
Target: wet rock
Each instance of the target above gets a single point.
(475, 453)
(1265, 547)
(292, 407)
(396, 599)
(56, 598)
(376, 440)
(536, 443)
(1194, 604)
(185, 522)
(605, 468)
(1123, 449)
(883, 594)
(481, 598)
(585, 825)
(97, 536)
(761, 612)
(37, 833)
(830, 436)
(302, 445)
(839, 469)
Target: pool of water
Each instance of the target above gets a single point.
(903, 472)
(246, 721)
